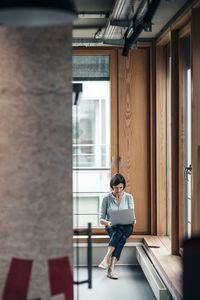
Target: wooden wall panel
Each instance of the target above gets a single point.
(161, 140)
(134, 127)
(195, 47)
(153, 136)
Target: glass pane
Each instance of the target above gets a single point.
(189, 151)
(189, 229)
(83, 221)
(86, 205)
(91, 126)
(91, 67)
(91, 138)
(91, 181)
(187, 137)
(86, 209)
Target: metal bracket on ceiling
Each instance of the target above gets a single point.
(120, 23)
(141, 20)
(118, 42)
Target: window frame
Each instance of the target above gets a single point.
(184, 32)
(112, 53)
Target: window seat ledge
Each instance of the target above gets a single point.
(169, 266)
(105, 238)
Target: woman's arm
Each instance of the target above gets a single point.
(105, 223)
(104, 206)
(132, 205)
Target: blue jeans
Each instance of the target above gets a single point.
(118, 235)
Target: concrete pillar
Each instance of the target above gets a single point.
(35, 150)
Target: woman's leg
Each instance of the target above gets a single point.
(126, 231)
(118, 249)
(111, 274)
(109, 253)
(115, 236)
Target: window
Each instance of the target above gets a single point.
(91, 138)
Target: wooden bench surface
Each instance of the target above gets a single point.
(170, 265)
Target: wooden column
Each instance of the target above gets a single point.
(153, 136)
(35, 152)
(161, 140)
(134, 130)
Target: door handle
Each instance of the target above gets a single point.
(187, 171)
(121, 160)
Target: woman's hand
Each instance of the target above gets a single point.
(106, 223)
(109, 225)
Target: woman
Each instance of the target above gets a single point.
(116, 200)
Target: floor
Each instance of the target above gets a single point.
(131, 284)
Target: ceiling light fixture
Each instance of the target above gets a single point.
(36, 12)
(92, 15)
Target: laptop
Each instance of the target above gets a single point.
(122, 217)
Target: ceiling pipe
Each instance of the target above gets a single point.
(132, 39)
(36, 13)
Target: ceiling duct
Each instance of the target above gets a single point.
(141, 20)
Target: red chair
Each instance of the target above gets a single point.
(61, 278)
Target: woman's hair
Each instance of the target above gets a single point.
(117, 179)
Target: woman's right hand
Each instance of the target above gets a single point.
(109, 225)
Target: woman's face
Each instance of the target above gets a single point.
(118, 189)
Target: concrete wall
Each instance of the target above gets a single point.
(35, 150)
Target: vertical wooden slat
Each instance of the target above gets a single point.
(161, 140)
(134, 131)
(153, 137)
(114, 112)
(174, 142)
(195, 50)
